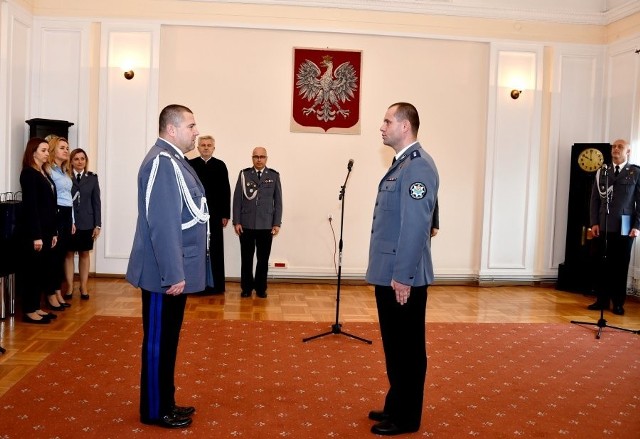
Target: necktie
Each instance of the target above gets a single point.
(259, 175)
(393, 161)
(617, 171)
(78, 176)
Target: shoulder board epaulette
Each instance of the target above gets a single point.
(415, 154)
(273, 170)
(247, 169)
(635, 166)
(91, 173)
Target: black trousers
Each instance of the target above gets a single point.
(404, 341)
(65, 221)
(258, 241)
(613, 269)
(216, 250)
(162, 316)
(34, 273)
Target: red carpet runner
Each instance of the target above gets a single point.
(258, 380)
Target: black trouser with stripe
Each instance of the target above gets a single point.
(162, 316)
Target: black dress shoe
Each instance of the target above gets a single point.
(65, 304)
(68, 296)
(181, 412)
(169, 421)
(388, 428)
(261, 294)
(245, 294)
(50, 316)
(597, 305)
(378, 415)
(618, 310)
(84, 296)
(42, 321)
(55, 308)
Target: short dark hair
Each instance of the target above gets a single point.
(29, 150)
(406, 111)
(171, 115)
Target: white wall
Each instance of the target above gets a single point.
(238, 80)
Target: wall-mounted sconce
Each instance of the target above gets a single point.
(515, 94)
(129, 74)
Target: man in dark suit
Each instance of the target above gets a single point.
(257, 216)
(400, 267)
(215, 179)
(615, 222)
(167, 260)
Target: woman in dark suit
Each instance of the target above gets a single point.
(87, 210)
(38, 229)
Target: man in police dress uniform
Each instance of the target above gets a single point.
(400, 268)
(257, 216)
(623, 180)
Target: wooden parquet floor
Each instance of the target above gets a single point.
(27, 344)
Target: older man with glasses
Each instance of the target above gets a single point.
(257, 216)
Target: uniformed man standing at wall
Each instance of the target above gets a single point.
(257, 216)
(400, 268)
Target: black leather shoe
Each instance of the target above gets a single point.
(169, 421)
(618, 310)
(378, 415)
(65, 304)
(245, 294)
(597, 305)
(42, 321)
(181, 412)
(55, 308)
(50, 316)
(68, 296)
(261, 294)
(388, 428)
(84, 296)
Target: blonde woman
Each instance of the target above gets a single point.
(60, 174)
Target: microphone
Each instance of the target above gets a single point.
(350, 165)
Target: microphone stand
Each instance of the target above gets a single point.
(336, 328)
(602, 323)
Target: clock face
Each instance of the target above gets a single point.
(590, 159)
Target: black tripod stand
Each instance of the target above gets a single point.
(336, 328)
(602, 323)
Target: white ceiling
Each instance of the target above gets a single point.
(564, 11)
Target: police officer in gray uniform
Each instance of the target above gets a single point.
(400, 268)
(257, 216)
(167, 260)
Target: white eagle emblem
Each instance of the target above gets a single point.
(417, 191)
(326, 91)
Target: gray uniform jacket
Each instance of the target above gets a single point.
(86, 202)
(263, 211)
(624, 200)
(163, 254)
(400, 247)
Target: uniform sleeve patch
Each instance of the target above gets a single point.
(417, 190)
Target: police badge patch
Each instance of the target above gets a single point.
(417, 191)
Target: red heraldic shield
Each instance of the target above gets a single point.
(326, 90)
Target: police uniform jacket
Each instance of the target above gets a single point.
(163, 254)
(86, 201)
(624, 199)
(400, 247)
(265, 209)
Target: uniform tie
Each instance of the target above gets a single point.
(617, 171)
(78, 176)
(259, 175)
